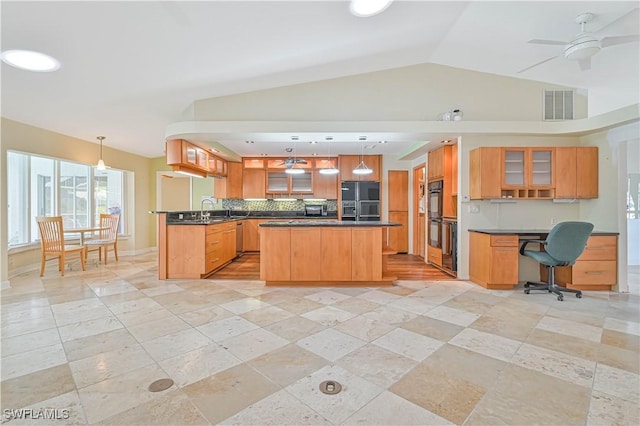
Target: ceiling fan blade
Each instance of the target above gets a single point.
(632, 15)
(535, 65)
(550, 42)
(585, 64)
(612, 41)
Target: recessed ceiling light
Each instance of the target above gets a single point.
(328, 138)
(295, 138)
(365, 8)
(248, 141)
(315, 153)
(362, 138)
(30, 61)
(382, 142)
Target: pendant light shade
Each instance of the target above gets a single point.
(101, 165)
(329, 170)
(362, 169)
(294, 171)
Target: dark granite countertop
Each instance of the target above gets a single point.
(343, 224)
(528, 232)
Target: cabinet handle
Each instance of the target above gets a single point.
(504, 241)
(506, 248)
(595, 272)
(596, 248)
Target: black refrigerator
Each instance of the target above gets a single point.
(360, 201)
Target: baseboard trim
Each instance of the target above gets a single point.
(5, 285)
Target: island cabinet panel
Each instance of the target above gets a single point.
(335, 252)
(213, 248)
(185, 251)
(366, 262)
(305, 243)
(275, 262)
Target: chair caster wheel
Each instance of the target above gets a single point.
(526, 285)
(560, 298)
(526, 292)
(579, 295)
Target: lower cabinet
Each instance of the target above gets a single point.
(195, 251)
(301, 254)
(595, 269)
(434, 255)
(492, 259)
(399, 235)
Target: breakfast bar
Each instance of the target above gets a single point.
(324, 253)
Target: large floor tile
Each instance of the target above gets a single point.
(616, 382)
(407, 343)
(330, 344)
(39, 386)
(224, 394)
(254, 343)
(28, 342)
(288, 364)
(377, 365)
(607, 409)
(32, 361)
(174, 344)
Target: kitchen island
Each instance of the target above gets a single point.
(324, 253)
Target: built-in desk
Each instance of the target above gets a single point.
(494, 253)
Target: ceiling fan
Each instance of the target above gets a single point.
(585, 44)
(289, 162)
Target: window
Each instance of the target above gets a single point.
(40, 186)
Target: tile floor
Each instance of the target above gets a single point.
(419, 353)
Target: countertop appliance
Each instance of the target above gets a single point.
(314, 210)
(360, 201)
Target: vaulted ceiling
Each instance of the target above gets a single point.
(129, 69)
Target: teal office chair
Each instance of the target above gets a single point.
(564, 244)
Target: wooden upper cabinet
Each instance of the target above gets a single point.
(325, 186)
(349, 162)
(528, 168)
(253, 183)
(576, 170)
(398, 190)
(217, 166)
(231, 186)
(435, 164)
(484, 173)
(454, 169)
(181, 153)
(514, 168)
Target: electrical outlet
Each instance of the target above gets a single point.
(465, 199)
(474, 208)
(554, 221)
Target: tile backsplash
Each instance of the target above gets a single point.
(272, 205)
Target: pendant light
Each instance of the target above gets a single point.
(362, 169)
(100, 165)
(329, 170)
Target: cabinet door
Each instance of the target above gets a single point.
(325, 186)
(399, 235)
(305, 243)
(501, 260)
(335, 254)
(587, 172)
(250, 236)
(253, 183)
(398, 190)
(229, 241)
(275, 254)
(366, 254)
(540, 168)
(302, 183)
(374, 162)
(454, 169)
(277, 182)
(514, 171)
(346, 164)
(565, 169)
(234, 180)
(435, 164)
(484, 173)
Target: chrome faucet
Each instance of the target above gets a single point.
(204, 215)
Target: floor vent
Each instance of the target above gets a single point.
(557, 105)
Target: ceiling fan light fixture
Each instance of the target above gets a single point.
(366, 8)
(294, 171)
(329, 171)
(582, 50)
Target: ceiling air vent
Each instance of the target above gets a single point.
(557, 105)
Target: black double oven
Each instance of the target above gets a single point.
(442, 231)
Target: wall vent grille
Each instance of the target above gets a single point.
(557, 105)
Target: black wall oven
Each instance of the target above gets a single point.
(435, 213)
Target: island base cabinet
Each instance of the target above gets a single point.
(490, 260)
(366, 262)
(275, 254)
(304, 253)
(335, 255)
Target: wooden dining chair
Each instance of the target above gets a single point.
(108, 237)
(52, 243)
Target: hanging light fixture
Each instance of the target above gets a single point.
(293, 170)
(362, 169)
(329, 170)
(366, 8)
(100, 165)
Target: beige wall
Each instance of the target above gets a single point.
(419, 92)
(21, 137)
